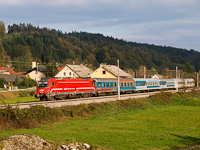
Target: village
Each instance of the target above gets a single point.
(9, 79)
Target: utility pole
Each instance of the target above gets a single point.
(176, 78)
(118, 81)
(144, 72)
(37, 68)
(73, 69)
(197, 79)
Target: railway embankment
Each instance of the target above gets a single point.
(35, 115)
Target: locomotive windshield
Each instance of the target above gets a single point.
(42, 84)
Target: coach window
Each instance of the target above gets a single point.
(99, 84)
(52, 84)
(115, 84)
(122, 84)
(131, 84)
(125, 84)
(107, 84)
(111, 84)
(104, 84)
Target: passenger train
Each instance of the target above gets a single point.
(52, 88)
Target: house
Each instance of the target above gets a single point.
(6, 70)
(157, 76)
(109, 71)
(35, 74)
(73, 71)
(10, 78)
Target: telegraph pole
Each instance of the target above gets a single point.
(144, 72)
(197, 79)
(118, 81)
(176, 78)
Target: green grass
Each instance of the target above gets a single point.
(19, 100)
(163, 121)
(159, 127)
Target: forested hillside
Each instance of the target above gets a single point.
(27, 43)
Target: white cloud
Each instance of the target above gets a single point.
(166, 22)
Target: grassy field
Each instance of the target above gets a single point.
(17, 97)
(19, 100)
(161, 126)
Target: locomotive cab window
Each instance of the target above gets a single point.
(52, 84)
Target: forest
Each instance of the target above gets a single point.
(26, 43)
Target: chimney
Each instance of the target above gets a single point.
(33, 64)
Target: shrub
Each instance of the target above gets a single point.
(2, 82)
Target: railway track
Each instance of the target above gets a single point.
(78, 101)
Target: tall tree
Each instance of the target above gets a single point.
(188, 68)
(4, 58)
(2, 29)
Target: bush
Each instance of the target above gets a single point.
(2, 82)
(27, 82)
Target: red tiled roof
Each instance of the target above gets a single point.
(8, 69)
(20, 72)
(60, 68)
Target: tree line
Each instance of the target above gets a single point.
(27, 43)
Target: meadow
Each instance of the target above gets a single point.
(163, 121)
(17, 97)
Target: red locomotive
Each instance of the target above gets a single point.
(51, 88)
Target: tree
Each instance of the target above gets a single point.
(51, 70)
(3, 56)
(2, 29)
(188, 68)
(16, 83)
(27, 82)
(2, 82)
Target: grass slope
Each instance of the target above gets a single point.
(156, 125)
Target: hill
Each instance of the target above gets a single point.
(25, 43)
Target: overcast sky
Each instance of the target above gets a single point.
(161, 22)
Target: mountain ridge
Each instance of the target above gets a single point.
(27, 43)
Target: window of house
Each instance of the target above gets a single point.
(104, 72)
(70, 73)
(64, 73)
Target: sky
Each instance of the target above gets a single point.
(173, 23)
